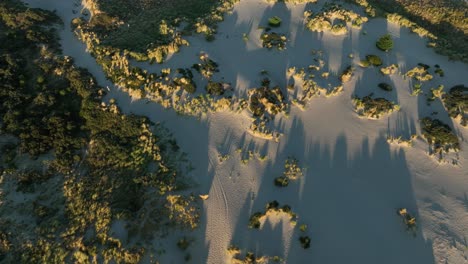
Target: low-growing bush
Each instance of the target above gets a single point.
(274, 21)
(456, 102)
(281, 181)
(215, 88)
(374, 60)
(439, 135)
(347, 74)
(385, 86)
(374, 107)
(385, 43)
(274, 40)
(305, 241)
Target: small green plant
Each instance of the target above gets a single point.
(385, 86)
(416, 89)
(385, 43)
(183, 243)
(456, 102)
(305, 241)
(281, 181)
(274, 21)
(303, 227)
(374, 60)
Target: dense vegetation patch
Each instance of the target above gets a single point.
(333, 18)
(374, 107)
(439, 136)
(271, 208)
(146, 24)
(101, 165)
(456, 102)
(385, 43)
(444, 22)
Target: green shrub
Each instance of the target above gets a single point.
(385, 86)
(385, 43)
(183, 243)
(281, 181)
(274, 21)
(215, 88)
(254, 221)
(374, 60)
(305, 241)
(439, 135)
(456, 102)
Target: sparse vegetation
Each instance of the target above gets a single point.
(347, 74)
(274, 40)
(392, 69)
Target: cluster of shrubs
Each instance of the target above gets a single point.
(420, 73)
(456, 102)
(371, 60)
(274, 40)
(292, 171)
(207, 68)
(439, 136)
(99, 160)
(374, 107)
(271, 207)
(323, 21)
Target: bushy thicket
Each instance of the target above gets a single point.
(103, 162)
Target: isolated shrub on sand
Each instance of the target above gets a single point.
(274, 21)
(305, 241)
(374, 60)
(385, 43)
(385, 86)
(281, 181)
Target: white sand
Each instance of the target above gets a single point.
(354, 179)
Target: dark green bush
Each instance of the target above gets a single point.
(385, 86)
(215, 88)
(374, 60)
(456, 102)
(385, 43)
(305, 241)
(254, 221)
(439, 135)
(274, 21)
(281, 181)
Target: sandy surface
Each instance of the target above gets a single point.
(354, 180)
